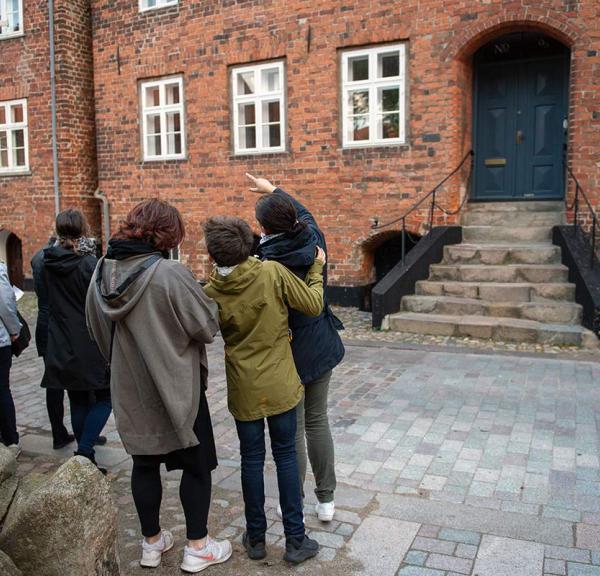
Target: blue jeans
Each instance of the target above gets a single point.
(282, 430)
(89, 413)
(8, 421)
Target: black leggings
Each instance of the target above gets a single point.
(194, 492)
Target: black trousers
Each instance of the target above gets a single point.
(8, 421)
(55, 399)
(194, 491)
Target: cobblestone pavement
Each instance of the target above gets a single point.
(448, 463)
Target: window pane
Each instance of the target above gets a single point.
(152, 96)
(247, 114)
(390, 126)
(17, 113)
(270, 111)
(153, 124)
(13, 16)
(173, 122)
(172, 93)
(271, 135)
(3, 141)
(19, 157)
(358, 101)
(149, 3)
(2, 115)
(18, 139)
(358, 68)
(245, 83)
(3, 158)
(389, 64)
(270, 80)
(359, 128)
(174, 144)
(389, 99)
(154, 146)
(247, 137)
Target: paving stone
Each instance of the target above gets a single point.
(563, 553)
(415, 557)
(463, 536)
(392, 540)
(419, 571)
(555, 567)
(441, 562)
(574, 569)
(508, 557)
(466, 551)
(434, 545)
(587, 536)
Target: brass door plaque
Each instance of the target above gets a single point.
(495, 161)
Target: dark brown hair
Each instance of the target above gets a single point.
(276, 214)
(229, 240)
(70, 225)
(154, 221)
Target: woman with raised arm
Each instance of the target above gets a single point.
(290, 234)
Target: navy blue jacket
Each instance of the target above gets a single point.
(316, 344)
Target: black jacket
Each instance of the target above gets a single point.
(41, 291)
(316, 344)
(72, 360)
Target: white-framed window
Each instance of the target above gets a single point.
(175, 254)
(163, 121)
(259, 108)
(11, 18)
(154, 4)
(14, 137)
(374, 96)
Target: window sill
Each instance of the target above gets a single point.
(15, 173)
(261, 154)
(155, 9)
(11, 36)
(159, 161)
(374, 148)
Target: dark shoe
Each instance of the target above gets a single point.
(92, 459)
(255, 550)
(298, 550)
(101, 441)
(57, 445)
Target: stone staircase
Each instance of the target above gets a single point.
(505, 282)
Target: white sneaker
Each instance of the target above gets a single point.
(15, 449)
(215, 552)
(280, 513)
(152, 553)
(325, 511)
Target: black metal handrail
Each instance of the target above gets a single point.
(580, 193)
(432, 194)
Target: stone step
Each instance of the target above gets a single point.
(507, 234)
(556, 312)
(499, 291)
(499, 329)
(528, 206)
(503, 218)
(505, 273)
(502, 254)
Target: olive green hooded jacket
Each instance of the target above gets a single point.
(253, 305)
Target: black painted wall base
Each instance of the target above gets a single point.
(401, 280)
(576, 255)
(354, 296)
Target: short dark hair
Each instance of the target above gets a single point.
(229, 240)
(154, 221)
(277, 214)
(70, 226)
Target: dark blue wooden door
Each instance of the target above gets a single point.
(519, 130)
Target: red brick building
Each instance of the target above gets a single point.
(359, 108)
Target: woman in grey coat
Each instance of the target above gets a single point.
(10, 326)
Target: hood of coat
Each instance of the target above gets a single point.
(60, 260)
(117, 278)
(292, 250)
(236, 282)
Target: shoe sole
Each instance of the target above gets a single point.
(190, 570)
(157, 564)
(324, 518)
(296, 562)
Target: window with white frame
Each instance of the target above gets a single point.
(258, 108)
(163, 129)
(11, 18)
(374, 96)
(153, 4)
(14, 154)
(175, 254)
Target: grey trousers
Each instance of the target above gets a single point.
(313, 430)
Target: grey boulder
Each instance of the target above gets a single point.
(7, 567)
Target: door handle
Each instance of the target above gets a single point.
(520, 136)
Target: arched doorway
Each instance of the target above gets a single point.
(11, 252)
(521, 85)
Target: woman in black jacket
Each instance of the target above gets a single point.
(73, 361)
(290, 235)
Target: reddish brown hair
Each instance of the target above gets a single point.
(154, 221)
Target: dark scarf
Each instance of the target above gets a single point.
(292, 249)
(122, 249)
